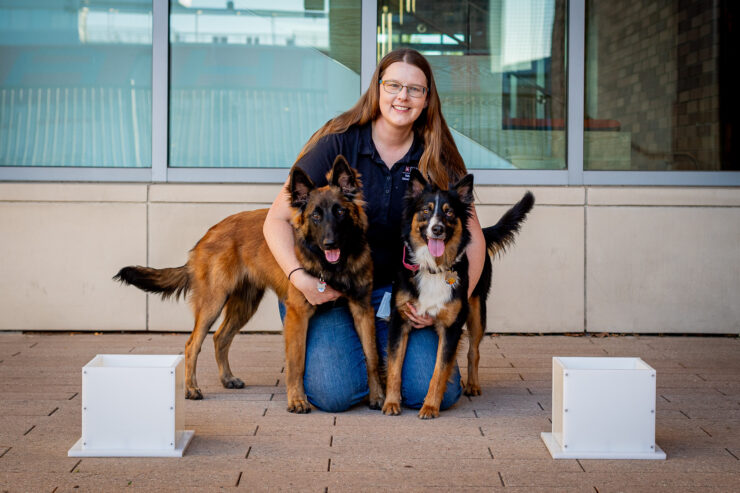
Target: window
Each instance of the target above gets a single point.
(658, 82)
(75, 84)
(500, 72)
(252, 80)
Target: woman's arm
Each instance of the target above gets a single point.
(476, 251)
(278, 233)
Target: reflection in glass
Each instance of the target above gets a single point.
(252, 80)
(500, 72)
(659, 78)
(75, 83)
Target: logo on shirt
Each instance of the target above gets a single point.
(407, 173)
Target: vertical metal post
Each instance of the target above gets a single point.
(368, 42)
(160, 88)
(576, 71)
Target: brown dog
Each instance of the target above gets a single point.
(231, 266)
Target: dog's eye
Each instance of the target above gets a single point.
(450, 214)
(340, 212)
(316, 216)
(425, 210)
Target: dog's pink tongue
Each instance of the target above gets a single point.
(332, 255)
(436, 247)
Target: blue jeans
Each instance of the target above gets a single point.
(336, 377)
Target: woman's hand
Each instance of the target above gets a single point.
(307, 284)
(418, 321)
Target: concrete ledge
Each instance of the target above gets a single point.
(214, 193)
(491, 195)
(72, 192)
(664, 196)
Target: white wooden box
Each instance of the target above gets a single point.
(132, 406)
(602, 408)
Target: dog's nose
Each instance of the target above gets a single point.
(438, 229)
(330, 244)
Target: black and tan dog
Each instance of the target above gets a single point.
(433, 277)
(231, 266)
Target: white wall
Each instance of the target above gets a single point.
(617, 259)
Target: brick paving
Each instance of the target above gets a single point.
(246, 439)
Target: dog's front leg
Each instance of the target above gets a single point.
(449, 338)
(364, 318)
(398, 337)
(295, 329)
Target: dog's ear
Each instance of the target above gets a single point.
(417, 183)
(464, 189)
(300, 186)
(343, 176)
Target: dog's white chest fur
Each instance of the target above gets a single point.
(434, 292)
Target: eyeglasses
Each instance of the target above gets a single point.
(394, 87)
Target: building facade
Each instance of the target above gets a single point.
(128, 127)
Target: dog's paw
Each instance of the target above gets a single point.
(428, 412)
(391, 408)
(299, 406)
(471, 389)
(233, 383)
(376, 403)
(194, 394)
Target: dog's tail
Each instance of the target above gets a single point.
(171, 281)
(501, 235)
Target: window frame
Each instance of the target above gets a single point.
(574, 175)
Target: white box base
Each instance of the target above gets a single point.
(557, 452)
(181, 445)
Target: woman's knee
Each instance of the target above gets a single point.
(335, 377)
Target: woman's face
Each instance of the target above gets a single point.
(401, 110)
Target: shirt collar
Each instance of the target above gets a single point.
(368, 148)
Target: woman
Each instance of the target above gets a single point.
(396, 125)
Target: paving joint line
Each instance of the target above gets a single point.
(75, 466)
(5, 452)
(29, 430)
(729, 452)
(684, 414)
(239, 478)
(480, 428)
(705, 431)
(248, 451)
(666, 398)
(328, 467)
(579, 463)
(73, 396)
(331, 440)
(53, 411)
(255, 431)
(490, 452)
(264, 412)
(502, 479)
(540, 406)
(476, 413)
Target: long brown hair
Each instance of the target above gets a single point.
(441, 162)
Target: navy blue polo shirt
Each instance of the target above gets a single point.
(383, 189)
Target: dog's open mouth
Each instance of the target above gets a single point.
(436, 247)
(332, 256)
